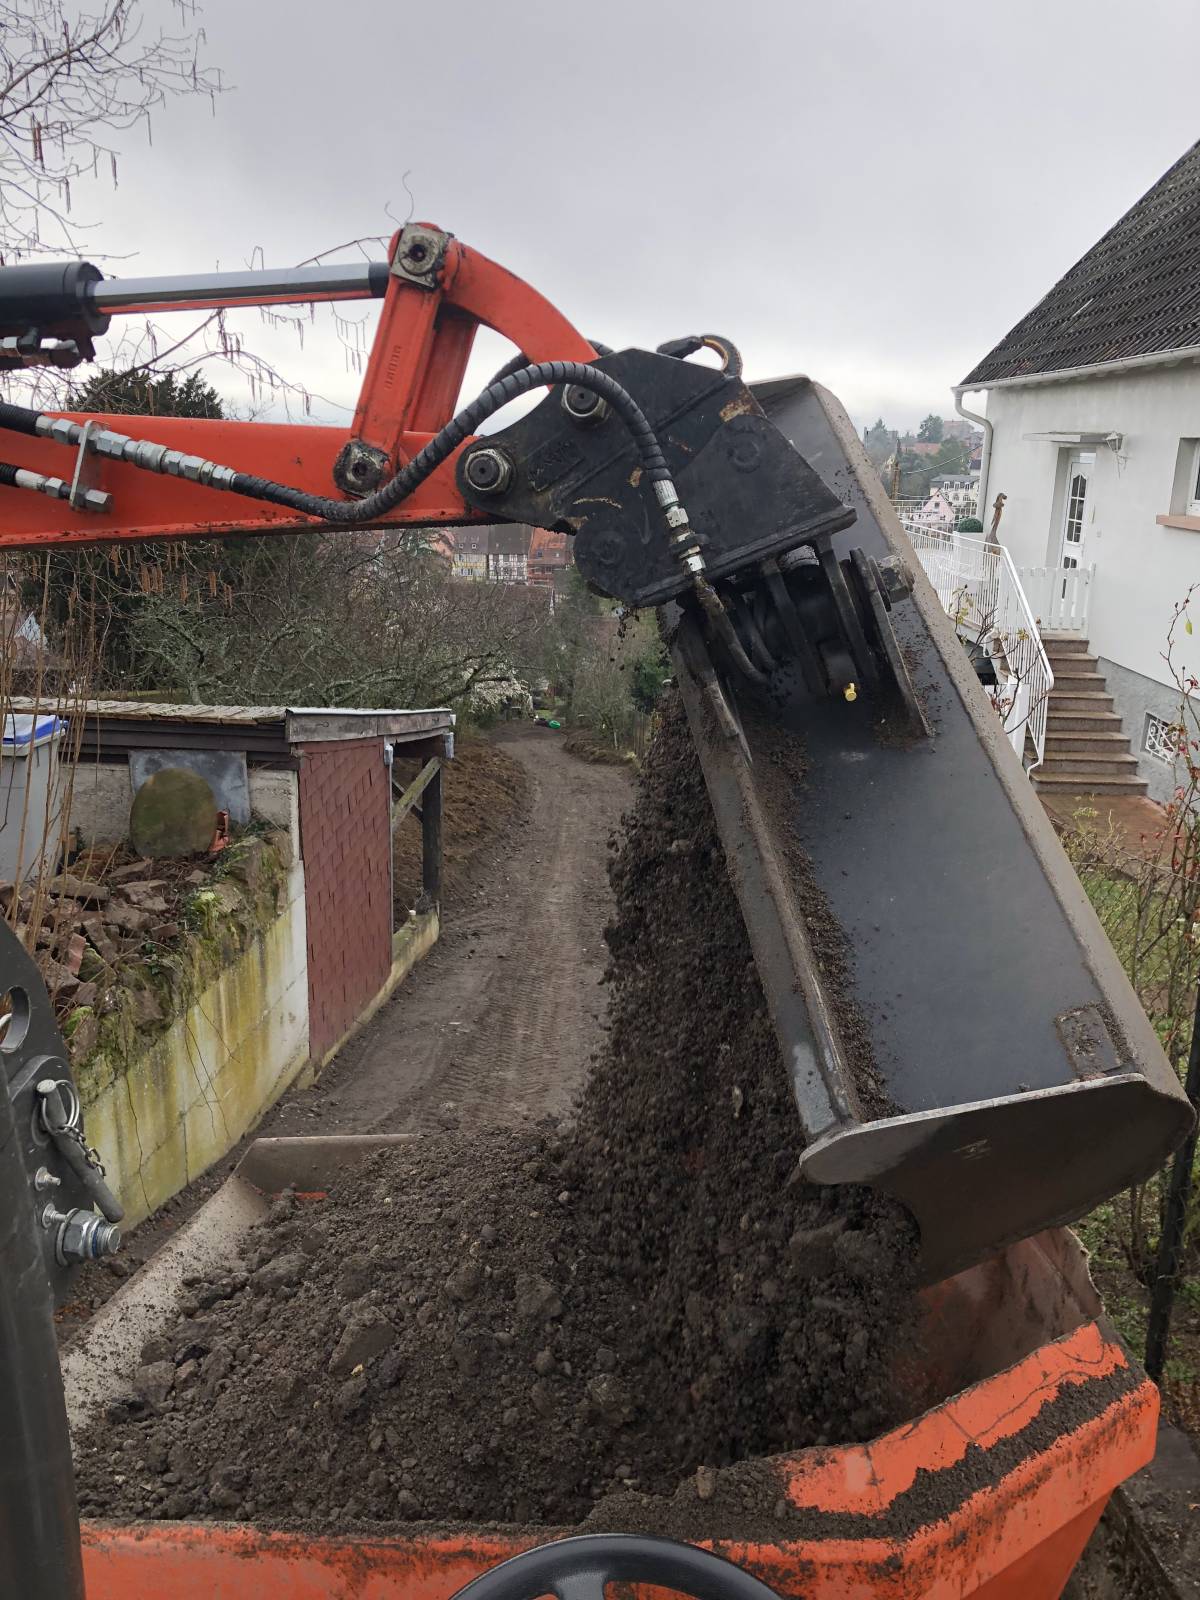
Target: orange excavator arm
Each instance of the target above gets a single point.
(436, 294)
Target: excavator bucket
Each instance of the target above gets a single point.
(958, 1029)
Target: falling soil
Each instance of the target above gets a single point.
(520, 1326)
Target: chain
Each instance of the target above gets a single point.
(72, 1128)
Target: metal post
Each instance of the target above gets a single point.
(431, 838)
(40, 1557)
(1166, 1268)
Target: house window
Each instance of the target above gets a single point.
(1185, 496)
(1161, 739)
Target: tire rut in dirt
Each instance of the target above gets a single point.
(526, 1054)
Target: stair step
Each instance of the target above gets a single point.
(1064, 641)
(1053, 711)
(1096, 763)
(1078, 741)
(1080, 700)
(1077, 679)
(1072, 666)
(1082, 722)
(1078, 783)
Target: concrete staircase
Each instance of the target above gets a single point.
(1087, 751)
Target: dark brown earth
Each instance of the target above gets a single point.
(483, 789)
(516, 1323)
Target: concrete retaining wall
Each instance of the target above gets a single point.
(101, 795)
(163, 1119)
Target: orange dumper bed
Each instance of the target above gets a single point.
(1033, 1414)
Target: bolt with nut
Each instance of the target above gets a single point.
(488, 470)
(582, 404)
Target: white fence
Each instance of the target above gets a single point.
(980, 591)
(1058, 597)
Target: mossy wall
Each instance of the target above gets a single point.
(194, 1048)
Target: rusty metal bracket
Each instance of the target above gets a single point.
(420, 255)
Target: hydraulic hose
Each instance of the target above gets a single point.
(443, 444)
(20, 419)
(353, 513)
(522, 360)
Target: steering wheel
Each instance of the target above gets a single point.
(581, 1568)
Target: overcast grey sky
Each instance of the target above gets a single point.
(868, 192)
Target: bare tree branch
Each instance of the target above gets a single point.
(70, 81)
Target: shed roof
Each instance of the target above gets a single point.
(1135, 293)
(113, 726)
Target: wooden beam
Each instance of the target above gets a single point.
(415, 789)
(431, 838)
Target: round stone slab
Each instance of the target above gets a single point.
(174, 814)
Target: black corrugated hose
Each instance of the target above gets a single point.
(540, 374)
(443, 444)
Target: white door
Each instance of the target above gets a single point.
(1076, 506)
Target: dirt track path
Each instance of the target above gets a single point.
(497, 1024)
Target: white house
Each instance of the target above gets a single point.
(1093, 438)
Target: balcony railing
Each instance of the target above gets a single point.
(982, 594)
(1058, 597)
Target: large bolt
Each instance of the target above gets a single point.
(360, 468)
(488, 471)
(583, 404)
(419, 254)
(895, 579)
(82, 1236)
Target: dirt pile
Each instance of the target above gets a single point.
(517, 1326)
(483, 790)
(595, 749)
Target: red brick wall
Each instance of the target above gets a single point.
(345, 841)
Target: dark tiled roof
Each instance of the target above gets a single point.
(471, 541)
(509, 539)
(1135, 293)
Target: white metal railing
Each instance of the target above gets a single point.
(1058, 597)
(982, 594)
